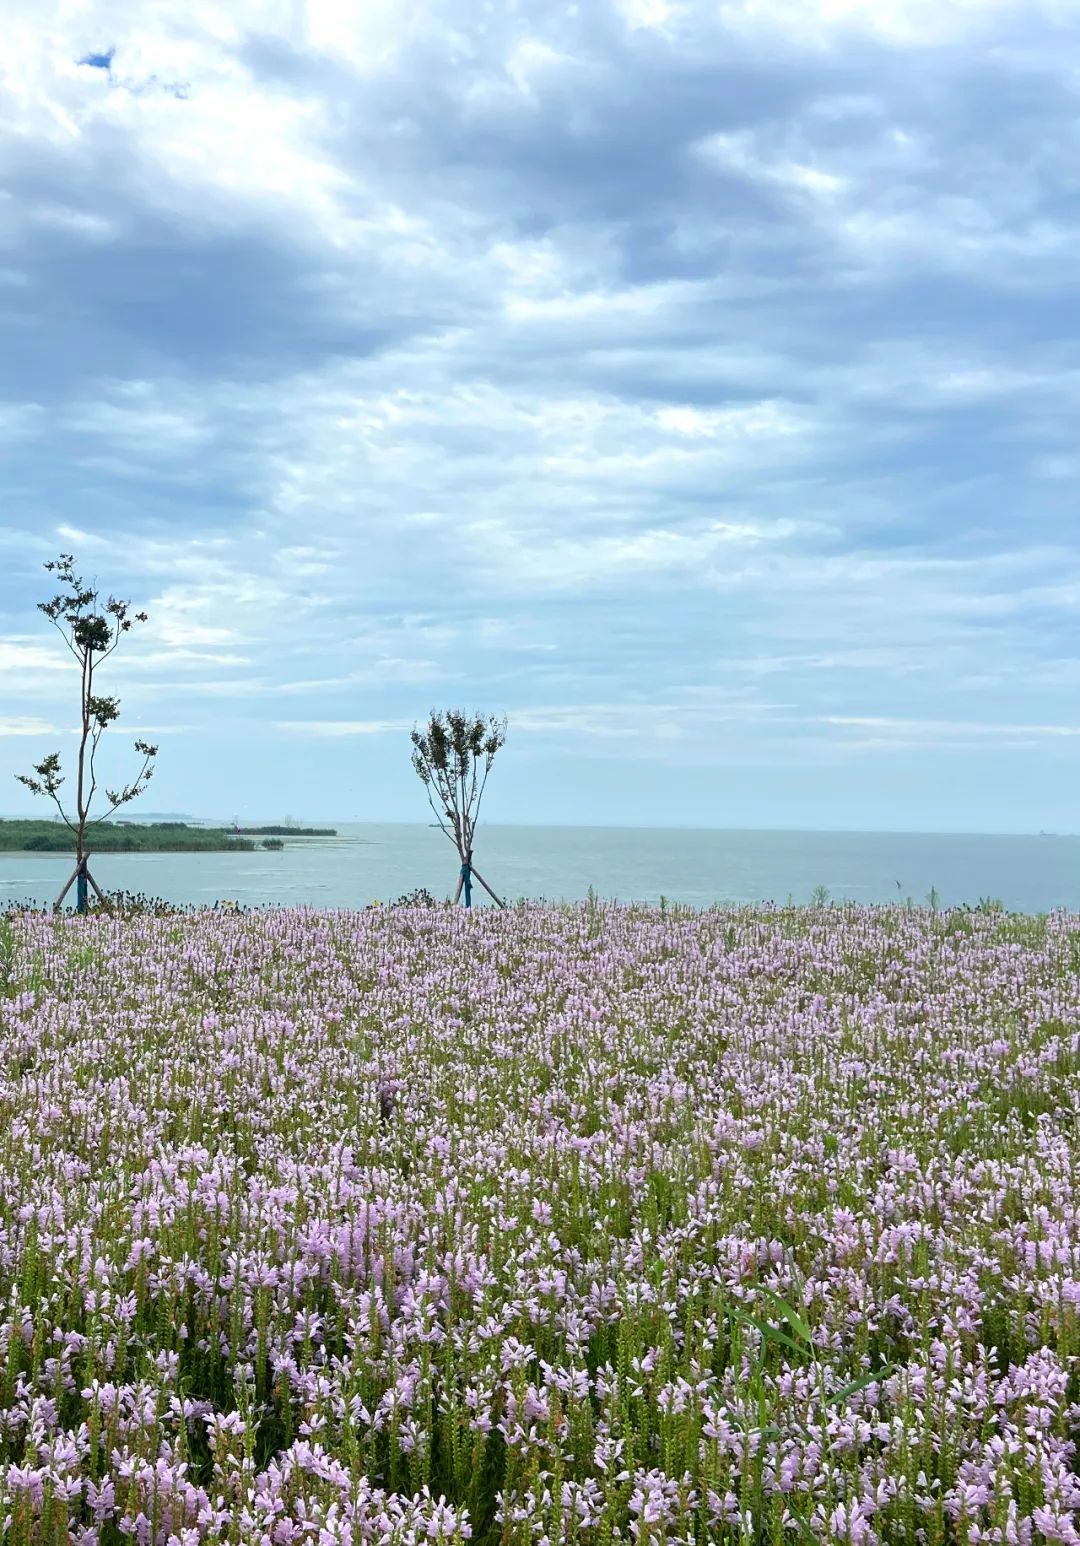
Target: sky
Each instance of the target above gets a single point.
(696, 382)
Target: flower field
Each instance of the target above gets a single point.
(583, 1225)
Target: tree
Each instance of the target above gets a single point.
(91, 629)
(452, 757)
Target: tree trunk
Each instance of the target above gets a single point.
(80, 834)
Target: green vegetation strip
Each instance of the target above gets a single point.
(119, 837)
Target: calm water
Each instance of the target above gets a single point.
(380, 862)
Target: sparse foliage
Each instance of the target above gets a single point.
(452, 757)
(92, 629)
(420, 897)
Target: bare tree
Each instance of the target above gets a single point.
(452, 756)
(91, 629)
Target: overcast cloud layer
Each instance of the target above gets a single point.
(698, 383)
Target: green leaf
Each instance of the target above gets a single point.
(873, 1378)
(770, 1333)
(791, 1315)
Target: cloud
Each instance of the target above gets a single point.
(584, 563)
(23, 725)
(908, 24)
(684, 719)
(932, 729)
(21, 656)
(595, 361)
(338, 729)
(19, 421)
(736, 152)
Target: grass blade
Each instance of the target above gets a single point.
(790, 1314)
(874, 1377)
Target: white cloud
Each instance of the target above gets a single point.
(207, 134)
(575, 563)
(20, 421)
(904, 23)
(764, 421)
(537, 351)
(82, 222)
(739, 152)
(380, 672)
(933, 729)
(131, 416)
(28, 725)
(652, 15)
(340, 729)
(605, 721)
(22, 657)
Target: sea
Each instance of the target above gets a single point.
(368, 863)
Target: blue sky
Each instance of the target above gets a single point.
(696, 383)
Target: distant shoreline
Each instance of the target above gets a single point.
(53, 837)
(285, 831)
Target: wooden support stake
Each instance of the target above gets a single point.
(67, 887)
(477, 876)
(82, 869)
(102, 898)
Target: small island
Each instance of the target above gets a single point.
(286, 831)
(124, 837)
